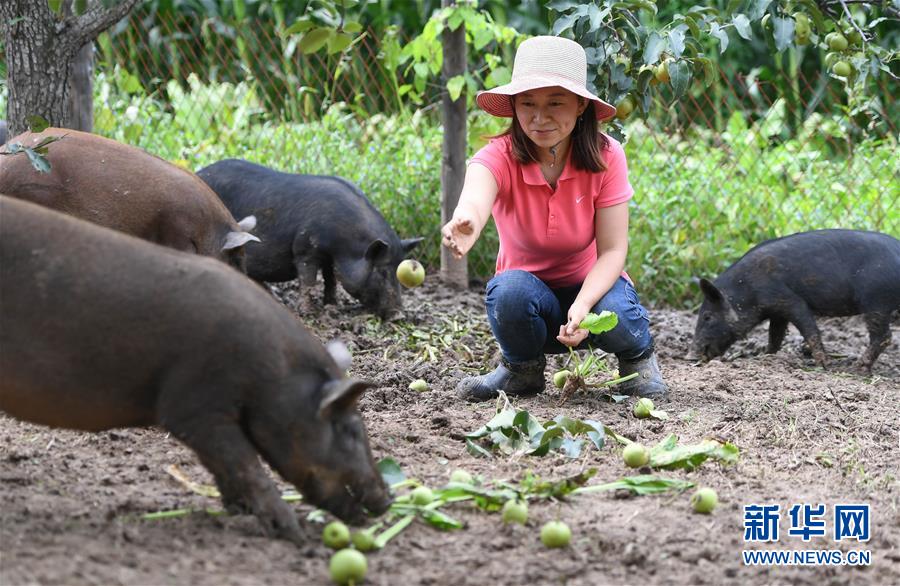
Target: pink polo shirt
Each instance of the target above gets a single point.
(545, 232)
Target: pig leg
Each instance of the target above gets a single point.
(879, 326)
(307, 268)
(306, 272)
(228, 454)
(330, 283)
(777, 330)
(805, 321)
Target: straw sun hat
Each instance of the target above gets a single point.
(544, 62)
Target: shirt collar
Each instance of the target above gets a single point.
(531, 173)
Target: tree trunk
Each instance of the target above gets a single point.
(82, 90)
(36, 76)
(81, 86)
(40, 51)
(453, 170)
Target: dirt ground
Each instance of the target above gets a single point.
(72, 502)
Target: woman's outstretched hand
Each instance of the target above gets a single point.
(459, 236)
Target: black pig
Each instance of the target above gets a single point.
(312, 222)
(794, 278)
(103, 330)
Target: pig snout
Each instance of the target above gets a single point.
(707, 349)
(375, 497)
(350, 503)
(384, 301)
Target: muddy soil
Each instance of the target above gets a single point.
(72, 503)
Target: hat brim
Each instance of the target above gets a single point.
(497, 101)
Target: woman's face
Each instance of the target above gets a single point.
(548, 115)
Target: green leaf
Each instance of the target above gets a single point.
(709, 71)
(300, 26)
(716, 31)
(691, 23)
(641, 485)
(541, 444)
(619, 438)
(339, 42)
(562, 5)
(653, 48)
(563, 23)
(759, 8)
(667, 455)
(503, 418)
(499, 76)
(557, 489)
(680, 72)
(526, 423)
(571, 448)
(612, 398)
(481, 38)
(476, 450)
(390, 471)
(676, 40)
(128, 82)
(599, 323)
(597, 435)
(783, 31)
(37, 124)
(576, 426)
(742, 25)
(440, 520)
(314, 40)
(596, 15)
(41, 147)
(455, 86)
(352, 26)
(658, 414)
(41, 164)
(240, 10)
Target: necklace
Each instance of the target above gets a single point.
(553, 151)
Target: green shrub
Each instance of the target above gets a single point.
(701, 200)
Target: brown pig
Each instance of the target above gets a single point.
(102, 330)
(127, 189)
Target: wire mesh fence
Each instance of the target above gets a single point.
(715, 173)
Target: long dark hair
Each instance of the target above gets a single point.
(588, 143)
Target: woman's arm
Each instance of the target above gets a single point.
(472, 212)
(611, 227)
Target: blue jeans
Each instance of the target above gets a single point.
(525, 315)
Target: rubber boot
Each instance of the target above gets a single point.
(649, 382)
(516, 380)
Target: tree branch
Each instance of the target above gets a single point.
(852, 21)
(85, 28)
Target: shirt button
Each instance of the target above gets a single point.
(552, 217)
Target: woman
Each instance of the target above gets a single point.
(558, 191)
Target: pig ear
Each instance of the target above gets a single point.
(378, 252)
(410, 243)
(248, 223)
(237, 239)
(710, 291)
(339, 353)
(340, 395)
